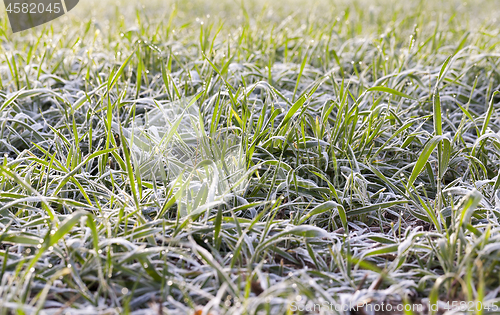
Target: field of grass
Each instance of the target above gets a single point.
(251, 157)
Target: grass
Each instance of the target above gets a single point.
(234, 157)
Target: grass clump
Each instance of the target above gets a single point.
(237, 158)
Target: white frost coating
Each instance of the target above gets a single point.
(170, 143)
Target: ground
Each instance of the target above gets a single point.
(252, 157)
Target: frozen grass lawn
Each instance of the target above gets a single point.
(234, 157)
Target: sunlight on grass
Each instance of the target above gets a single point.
(221, 157)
